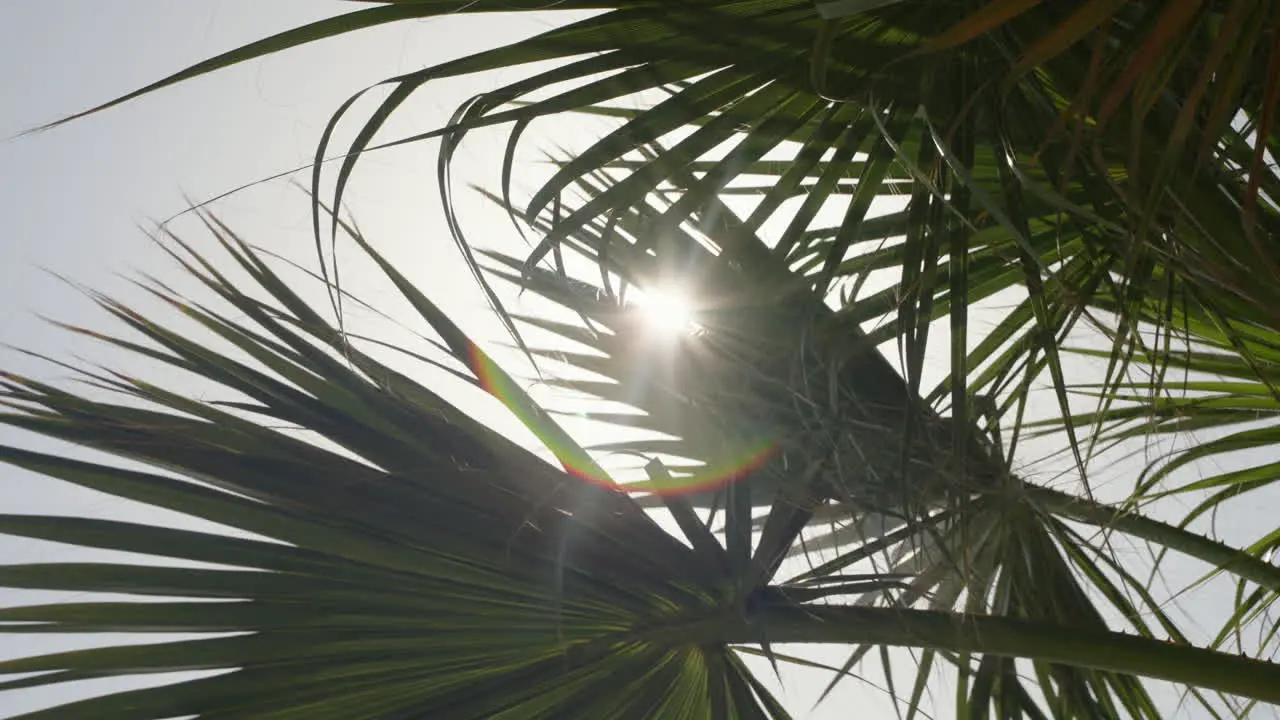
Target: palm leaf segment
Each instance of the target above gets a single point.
(1215, 383)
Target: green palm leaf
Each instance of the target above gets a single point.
(382, 557)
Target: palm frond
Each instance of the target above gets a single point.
(483, 580)
(1003, 552)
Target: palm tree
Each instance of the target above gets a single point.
(1106, 163)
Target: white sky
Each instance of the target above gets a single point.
(72, 198)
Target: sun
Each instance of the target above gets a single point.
(666, 310)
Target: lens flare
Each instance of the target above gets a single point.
(579, 464)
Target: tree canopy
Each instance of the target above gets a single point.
(1103, 170)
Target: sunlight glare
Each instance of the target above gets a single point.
(667, 310)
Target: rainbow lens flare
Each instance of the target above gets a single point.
(577, 462)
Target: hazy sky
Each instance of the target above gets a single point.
(72, 198)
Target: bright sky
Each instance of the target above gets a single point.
(72, 198)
